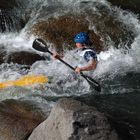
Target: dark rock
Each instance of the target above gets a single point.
(23, 57)
(109, 27)
(60, 31)
(19, 118)
(133, 5)
(7, 4)
(72, 120)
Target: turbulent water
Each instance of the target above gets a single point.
(118, 69)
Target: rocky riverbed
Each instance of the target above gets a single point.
(68, 119)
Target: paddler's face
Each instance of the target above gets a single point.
(79, 45)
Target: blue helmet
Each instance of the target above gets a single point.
(82, 38)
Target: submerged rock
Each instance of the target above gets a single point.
(19, 118)
(72, 120)
(22, 57)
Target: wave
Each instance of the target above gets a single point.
(114, 63)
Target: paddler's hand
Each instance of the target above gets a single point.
(77, 70)
(56, 55)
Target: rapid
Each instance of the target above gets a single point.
(118, 69)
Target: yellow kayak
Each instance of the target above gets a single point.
(25, 81)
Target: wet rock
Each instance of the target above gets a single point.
(7, 4)
(60, 31)
(23, 57)
(109, 27)
(72, 120)
(19, 118)
(133, 5)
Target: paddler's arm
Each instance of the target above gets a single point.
(91, 65)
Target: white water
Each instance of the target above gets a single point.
(63, 81)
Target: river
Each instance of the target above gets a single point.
(118, 69)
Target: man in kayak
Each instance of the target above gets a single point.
(85, 52)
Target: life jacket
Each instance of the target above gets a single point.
(88, 54)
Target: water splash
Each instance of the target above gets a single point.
(113, 66)
(6, 22)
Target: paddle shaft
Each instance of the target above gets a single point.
(63, 61)
(40, 45)
(84, 76)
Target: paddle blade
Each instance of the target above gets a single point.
(40, 45)
(92, 82)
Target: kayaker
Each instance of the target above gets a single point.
(85, 51)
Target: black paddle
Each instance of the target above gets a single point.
(40, 45)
